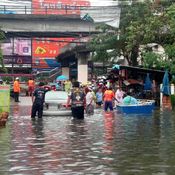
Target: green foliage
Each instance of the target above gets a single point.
(173, 101)
(132, 32)
(170, 52)
(141, 23)
(151, 59)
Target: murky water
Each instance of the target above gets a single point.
(98, 145)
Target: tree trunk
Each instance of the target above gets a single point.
(134, 55)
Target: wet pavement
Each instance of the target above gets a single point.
(116, 145)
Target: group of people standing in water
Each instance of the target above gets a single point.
(80, 98)
(86, 99)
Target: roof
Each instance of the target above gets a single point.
(132, 81)
(155, 74)
(141, 69)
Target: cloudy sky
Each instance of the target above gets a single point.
(103, 2)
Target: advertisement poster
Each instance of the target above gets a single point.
(17, 51)
(4, 98)
(45, 50)
(16, 46)
(61, 7)
(48, 47)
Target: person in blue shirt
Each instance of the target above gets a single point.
(38, 98)
(99, 97)
(129, 100)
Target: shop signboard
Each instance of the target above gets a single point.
(17, 59)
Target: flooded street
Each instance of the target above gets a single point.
(98, 145)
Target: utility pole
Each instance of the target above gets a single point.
(13, 54)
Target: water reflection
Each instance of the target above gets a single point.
(101, 144)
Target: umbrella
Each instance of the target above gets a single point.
(116, 66)
(165, 84)
(148, 83)
(62, 78)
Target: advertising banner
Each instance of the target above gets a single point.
(16, 46)
(4, 98)
(48, 47)
(61, 7)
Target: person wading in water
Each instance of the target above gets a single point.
(38, 98)
(77, 100)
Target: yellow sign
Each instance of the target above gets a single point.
(40, 50)
(4, 98)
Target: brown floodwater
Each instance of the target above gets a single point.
(116, 145)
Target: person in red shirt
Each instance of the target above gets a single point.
(31, 86)
(108, 99)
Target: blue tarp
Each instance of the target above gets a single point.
(165, 84)
(147, 83)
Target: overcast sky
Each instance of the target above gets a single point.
(102, 2)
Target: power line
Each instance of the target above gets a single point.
(75, 40)
(63, 34)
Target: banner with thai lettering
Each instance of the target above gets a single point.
(4, 98)
(58, 7)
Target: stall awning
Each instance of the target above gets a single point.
(132, 82)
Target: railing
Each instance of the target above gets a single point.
(54, 9)
(49, 74)
(28, 9)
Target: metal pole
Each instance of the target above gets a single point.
(13, 54)
(4, 9)
(25, 10)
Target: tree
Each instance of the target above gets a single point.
(131, 33)
(140, 23)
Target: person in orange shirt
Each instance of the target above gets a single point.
(31, 86)
(108, 99)
(16, 89)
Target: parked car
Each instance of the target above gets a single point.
(55, 104)
(56, 86)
